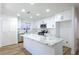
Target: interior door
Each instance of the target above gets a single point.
(9, 31)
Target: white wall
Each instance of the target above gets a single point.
(0, 23)
(77, 23)
(0, 31)
(9, 30)
(77, 32)
(74, 30)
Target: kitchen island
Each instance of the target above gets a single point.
(43, 45)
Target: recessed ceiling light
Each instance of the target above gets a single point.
(31, 3)
(37, 14)
(31, 17)
(23, 10)
(47, 10)
(18, 14)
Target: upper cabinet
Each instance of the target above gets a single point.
(63, 16)
(51, 21)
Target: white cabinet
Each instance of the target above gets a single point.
(63, 16)
(37, 47)
(50, 22)
(58, 17)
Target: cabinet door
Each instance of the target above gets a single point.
(63, 16)
(66, 15)
(58, 17)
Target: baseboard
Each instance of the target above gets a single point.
(9, 45)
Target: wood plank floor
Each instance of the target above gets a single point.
(19, 50)
(13, 50)
(66, 50)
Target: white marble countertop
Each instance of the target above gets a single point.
(48, 40)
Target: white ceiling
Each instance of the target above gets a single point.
(11, 9)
